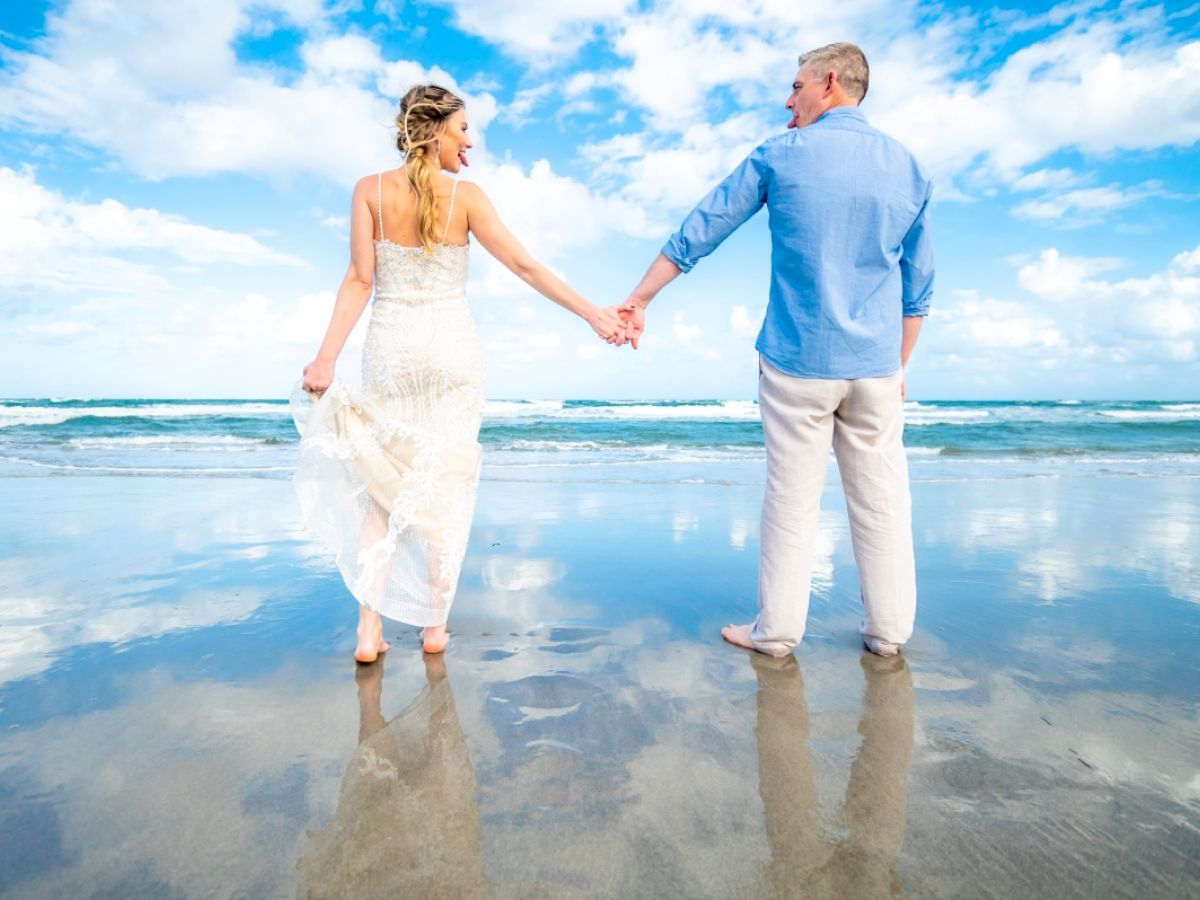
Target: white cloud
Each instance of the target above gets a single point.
(333, 119)
(1062, 278)
(1163, 307)
(550, 213)
(975, 323)
(349, 54)
(672, 174)
(160, 89)
(1106, 85)
(1043, 179)
(1090, 324)
(518, 110)
(537, 31)
(743, 324)
(244, 324)
(48, 242)
(683, 332)
(1186, 262)
(61, 329)
(207, 344)
(588, 351)
(1086, 205)
(676, 60)
(1096, 84)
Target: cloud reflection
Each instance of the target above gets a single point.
(514, 573)
(683, 522)
(1068, 536)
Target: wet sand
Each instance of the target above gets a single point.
(180, 714)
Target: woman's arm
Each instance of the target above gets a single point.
(354, 292)
(485, 224)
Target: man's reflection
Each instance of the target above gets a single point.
(406, 823)
(804, 862)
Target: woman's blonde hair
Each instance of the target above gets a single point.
(419, 124)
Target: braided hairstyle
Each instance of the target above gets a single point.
(419, 124)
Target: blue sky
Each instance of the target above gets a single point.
(175, 178)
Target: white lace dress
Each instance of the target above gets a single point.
(388, 478)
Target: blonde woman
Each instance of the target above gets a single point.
(388, 478)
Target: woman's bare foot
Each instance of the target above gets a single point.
(738, 635)
(368, 651)
(370, 637)
(434, 638)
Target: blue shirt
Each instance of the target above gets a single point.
(850, 246)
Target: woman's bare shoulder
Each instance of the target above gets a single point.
(469, 191)
(365, 186)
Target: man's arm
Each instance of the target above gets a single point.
(721, 213)
(716, 217)
(916, 263)
(661, 273)
(912, 328)
(916, 276)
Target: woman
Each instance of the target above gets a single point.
(389, 479)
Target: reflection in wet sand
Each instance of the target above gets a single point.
(803, 861)
(158, 665)
(406, 824)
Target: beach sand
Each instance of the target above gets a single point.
(180, 714)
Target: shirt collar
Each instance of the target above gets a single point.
(842, 111)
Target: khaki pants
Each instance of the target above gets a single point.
(863, 420)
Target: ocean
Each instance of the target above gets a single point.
(672, 441)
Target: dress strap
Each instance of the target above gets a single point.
(379, 203)
(449, 213)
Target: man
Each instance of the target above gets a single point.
(851, 277)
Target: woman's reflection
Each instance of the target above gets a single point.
(803, 861)
(406, 823)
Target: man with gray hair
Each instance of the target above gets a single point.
(851, 278)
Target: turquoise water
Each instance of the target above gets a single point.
(577, 439)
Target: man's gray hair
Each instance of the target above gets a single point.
(847, 61)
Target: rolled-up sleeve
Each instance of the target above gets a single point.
(916, 263)
(720, 214)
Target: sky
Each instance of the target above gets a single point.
(175, 183)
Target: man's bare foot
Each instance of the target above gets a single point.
(434, 638)
(738, 635)
(370, 645)
(881, 647)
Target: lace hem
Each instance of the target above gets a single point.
(391, 498)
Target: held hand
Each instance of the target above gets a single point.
(634, 316)
(608, 324)
(318, 375)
